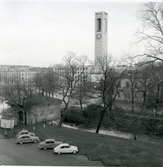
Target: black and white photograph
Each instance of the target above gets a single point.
(81, 83)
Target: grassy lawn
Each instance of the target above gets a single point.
(112, 150)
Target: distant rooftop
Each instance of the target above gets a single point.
(14, 65)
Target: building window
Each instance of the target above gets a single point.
(99, 25)
(105, 21)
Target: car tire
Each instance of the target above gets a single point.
(21, 142)
(59, 153)
(45, 148)
(74, 152)
(35, 141)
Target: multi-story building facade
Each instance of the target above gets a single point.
(82, 74)
(13, 73)
(101, 35)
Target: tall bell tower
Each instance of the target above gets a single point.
(101, 37)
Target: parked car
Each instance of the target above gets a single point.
(26, 138)
(65, 148)
(23, 132)
(49, 143)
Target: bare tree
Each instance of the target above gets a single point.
(38, 79)
(132, 87)
(109, 80)
(18, 92)
(73, 74)
(50, 82)
(81, 94)
(46, 81)
(151, 33)
(155, 89)
(144, 80)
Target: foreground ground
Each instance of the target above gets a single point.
(29, 154)
(111, 150)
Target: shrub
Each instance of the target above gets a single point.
(92, 111)
(75, 116)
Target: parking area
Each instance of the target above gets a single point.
(30, 154)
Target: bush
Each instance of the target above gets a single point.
(160, 130)
(115, 119)
(89, 115)
(92, 111)
(75, 116)
(151, 126)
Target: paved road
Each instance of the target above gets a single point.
(30, 154)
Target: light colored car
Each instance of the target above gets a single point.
(65, 148)
(49, 143)
(24, 132)
(26, 138)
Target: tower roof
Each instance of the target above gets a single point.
(102, 12)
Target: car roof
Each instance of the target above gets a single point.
(49, 140)
(64, 144)
(23, 135)
(23, 131)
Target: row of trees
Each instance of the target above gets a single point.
(147, 78)
(143, 86)
(46, 82)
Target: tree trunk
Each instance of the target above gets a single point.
(63, 117)
(30, 93)
(81, 106)
(46, 113)
(25, 117)
(99, 124)
(132, 103)
(43, 92)
(135, 136)
(132, 108)
(62, 120)
(144, 97)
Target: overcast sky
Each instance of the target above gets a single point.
(41, 33)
